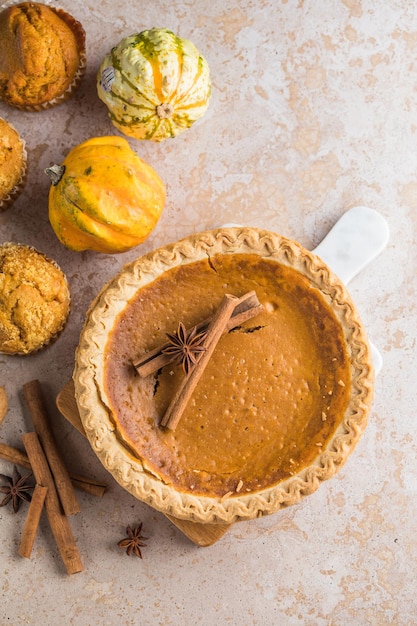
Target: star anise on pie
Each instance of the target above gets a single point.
(185, 346)
(16, 490)
(134, 540)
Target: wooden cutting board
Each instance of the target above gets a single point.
(200, 534)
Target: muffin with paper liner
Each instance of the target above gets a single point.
(34, 299)
(13, 164)
(43, 55)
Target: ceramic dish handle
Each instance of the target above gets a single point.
(353, 242)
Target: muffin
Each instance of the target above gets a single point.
(43, 55)
(34, 299)
(13, 164)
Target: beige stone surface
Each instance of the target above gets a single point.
(313, 111)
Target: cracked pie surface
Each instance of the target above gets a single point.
(280, 405)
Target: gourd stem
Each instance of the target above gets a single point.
(55, 173)
(164, 110)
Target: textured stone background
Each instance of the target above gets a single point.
(313, 111)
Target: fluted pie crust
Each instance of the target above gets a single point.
(280, 407)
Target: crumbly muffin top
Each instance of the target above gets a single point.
(12, 159)
(40, 54)
(34, 299)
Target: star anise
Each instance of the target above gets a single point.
(133, 541)
(185, 346)
(18, 489)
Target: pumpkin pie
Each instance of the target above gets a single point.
(281, 404)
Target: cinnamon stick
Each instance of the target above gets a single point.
(3, 404)
(214, 332)
(88, 485)
(33, 395)
(247, 307)
(58, 521)
(17, 457)
(32, 521)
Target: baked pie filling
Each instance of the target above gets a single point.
(280, 405)
(269, 398)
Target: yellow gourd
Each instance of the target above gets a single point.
(155, 84)
(104, 197)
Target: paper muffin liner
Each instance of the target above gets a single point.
(18, 188)
(53, 336)
(79, 33)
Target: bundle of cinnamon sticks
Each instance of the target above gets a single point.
(231, 313)
(54, 489)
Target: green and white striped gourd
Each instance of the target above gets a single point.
(154, 84)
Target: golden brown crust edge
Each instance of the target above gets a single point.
(130, 472)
